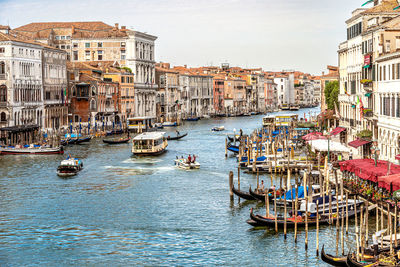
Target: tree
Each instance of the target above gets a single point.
(331, 94)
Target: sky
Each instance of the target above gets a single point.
(272, 34)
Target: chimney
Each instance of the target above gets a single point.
(323, 73)
(185, 66)
(116, 25)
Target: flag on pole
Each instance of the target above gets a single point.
(366, 3)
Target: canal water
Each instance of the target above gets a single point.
(121, 210)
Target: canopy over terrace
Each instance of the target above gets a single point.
(313, 136)
(325, 145)
(385, 182)
(366, 169)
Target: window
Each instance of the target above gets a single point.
(87, 45)
(99, 55)
(123, 44)
(123, 57)
(3, 116)
(122, 79)
(75, 45)
(68, 37)
(57, 37)
(87, 53)
(99, 44)
(75, 55)
(63, 37)
(68, 47)
(63, 47)
(2, 68)
(2, 49)
(3, 93)
(387, 46)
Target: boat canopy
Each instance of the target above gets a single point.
(149, 136)
(291, 194)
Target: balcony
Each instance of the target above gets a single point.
(2, 76)
(3, 104)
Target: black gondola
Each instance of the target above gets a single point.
(234, 149)
(290, 223)
(351, 262)
(114, 132)
(83, 140)
(332, 260)
(176, 137)
(242, 194)
(118, 141)
(232, 139)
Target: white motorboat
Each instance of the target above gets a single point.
(183, 164)
(69, 167)
(218, 128)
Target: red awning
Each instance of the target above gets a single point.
(385, 182)
(359, 142)
(337, 130)
(397, 157)
(366, 169)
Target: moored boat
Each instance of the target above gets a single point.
(114, 132)
(81, 140)
(242, 194)
(233, 148)
(116, 141)
(31, 150)
(193, 119)
(69, 167)
(149, 144)
(332, 260)
(169, 124)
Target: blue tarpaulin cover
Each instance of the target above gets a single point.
(291, 194)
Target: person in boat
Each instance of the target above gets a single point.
(69, 156)
(194, 158)
(273, 188)
(189, 159)
(262, 186)
(177, 133)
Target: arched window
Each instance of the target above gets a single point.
(93, 106)
(3, 93)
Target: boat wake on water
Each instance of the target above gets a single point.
(142, 160)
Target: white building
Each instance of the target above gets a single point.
(140, 56)
(21, 87)
(285, 87)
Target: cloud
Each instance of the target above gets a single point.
(259, 33)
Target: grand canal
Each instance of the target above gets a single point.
(122, 210)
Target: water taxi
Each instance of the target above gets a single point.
(69, 167)
(184, 164)
(149, 144)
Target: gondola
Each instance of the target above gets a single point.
(261, 197)
(351, 262)
(232, 139)
(193, 119)
(114, 132)
(242, 194)
(118, 141)
(234, 149)
(290, 222)
(83, 140)
(176, 137)
(332, 260)
(69, 141)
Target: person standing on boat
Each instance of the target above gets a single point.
(189, 159)
(177, 133)
(262, 186)
(194, 158)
